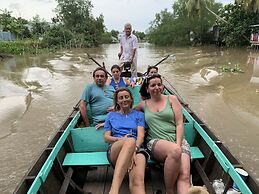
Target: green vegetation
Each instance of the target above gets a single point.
(237, 31)
(23, 46)
(173, 28)
(227, 68)
(74, 26)
(190, 22)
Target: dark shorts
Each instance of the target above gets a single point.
(152, 143)
(140, 151)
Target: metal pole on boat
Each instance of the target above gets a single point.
(159, 62)
(102, 66)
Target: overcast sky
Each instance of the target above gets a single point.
(116, 12)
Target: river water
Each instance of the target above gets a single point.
(38, 92)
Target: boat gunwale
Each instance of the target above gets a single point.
(220, 156)
(45, 169)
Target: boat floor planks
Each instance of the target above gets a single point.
(154, 176)
(98, 181)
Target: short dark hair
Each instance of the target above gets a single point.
(151, 67)
(144, 86)
(115, 100)
(116, 67)
(102, 69)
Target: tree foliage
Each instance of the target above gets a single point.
(39, 26)
(76, 17)
(141, 35)
(236, 31)
(173, 28)
(115, 33)
(249, 5)
(14, 25)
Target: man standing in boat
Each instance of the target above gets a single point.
(100, 98)
(128, 49)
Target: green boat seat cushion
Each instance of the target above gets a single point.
(100, 158)
(86, 159)
(88, 139)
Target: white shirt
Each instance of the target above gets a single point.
(128, 44)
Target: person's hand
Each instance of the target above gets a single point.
(178, 148)
(119, 55)
(132, 84)
(126, 136)
(98, 126)
(133, 162)
(110, 109)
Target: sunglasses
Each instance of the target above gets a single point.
(149, 77)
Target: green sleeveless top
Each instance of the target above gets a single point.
(161, 124)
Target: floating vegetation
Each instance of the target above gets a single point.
(227, 68)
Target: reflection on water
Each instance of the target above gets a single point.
(38, 92)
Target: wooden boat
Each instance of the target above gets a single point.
(75, 160)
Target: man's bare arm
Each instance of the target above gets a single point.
(82, 108)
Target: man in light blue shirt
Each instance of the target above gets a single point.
(100, 98)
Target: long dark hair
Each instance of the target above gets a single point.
(115, 100)
(143, 90)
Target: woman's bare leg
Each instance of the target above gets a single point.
(121, 154)
(137, 175)
(183, 182)
(170, 154)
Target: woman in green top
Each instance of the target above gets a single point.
(165, 136)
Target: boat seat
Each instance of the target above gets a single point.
(100, 158)
(86, 159)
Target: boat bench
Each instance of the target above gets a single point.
(90, 148)
(100, 158)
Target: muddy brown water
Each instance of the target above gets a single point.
(38, 92)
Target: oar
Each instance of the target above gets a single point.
(159, 62)
(98, 64)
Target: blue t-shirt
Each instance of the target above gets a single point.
(119, 85)
(99, 100)
(121, 125)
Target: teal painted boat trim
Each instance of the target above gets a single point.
(88, 139)
(222, 159)
(44, 171)
(86, 159)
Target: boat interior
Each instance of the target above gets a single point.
(75, 161)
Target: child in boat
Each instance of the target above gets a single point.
(124, 130)
(117, 81)
(165, 136)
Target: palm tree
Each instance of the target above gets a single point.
(194, 8)
(249, 5)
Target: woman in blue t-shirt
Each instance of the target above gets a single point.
(124, 130)
(117, 81)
